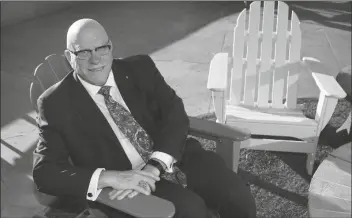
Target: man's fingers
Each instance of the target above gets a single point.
(141, 190)
(133, 194)
(149, 175)
(146, 185)
(113, 194)
(152, 186)
(124, 194)
(150, 183)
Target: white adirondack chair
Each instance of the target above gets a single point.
(256, 87)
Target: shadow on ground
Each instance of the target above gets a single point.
(328, 13)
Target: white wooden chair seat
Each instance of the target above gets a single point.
(259, 121)
(236, 113)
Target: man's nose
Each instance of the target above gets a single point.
(95, 58)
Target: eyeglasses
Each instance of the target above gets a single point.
(86, 54)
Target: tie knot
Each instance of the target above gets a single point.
(105, 91)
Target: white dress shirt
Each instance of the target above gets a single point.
(132, 154)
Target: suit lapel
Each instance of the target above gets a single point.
(129, 92)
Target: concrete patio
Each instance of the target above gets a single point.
(181, 37)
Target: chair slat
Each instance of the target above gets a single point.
(280, 56)
(251, 71)
(295, 56)
(58, 65)
(34, 92)
(267, 45)
(45, 76)
(237, 53)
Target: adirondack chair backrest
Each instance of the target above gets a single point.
(52, 70)
(265, 39)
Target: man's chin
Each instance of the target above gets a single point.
(96, 82)
(99, 82)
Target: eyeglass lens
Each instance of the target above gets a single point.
(86, 54)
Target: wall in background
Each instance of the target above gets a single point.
(13, 12)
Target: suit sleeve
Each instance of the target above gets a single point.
(173, 122)
(52, 171)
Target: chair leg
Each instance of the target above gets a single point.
(236, 156)
(310, 163)
(230, 152)
(224, 148)
(311, 158)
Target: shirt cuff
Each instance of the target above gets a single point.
(93, 191)
(166, 160)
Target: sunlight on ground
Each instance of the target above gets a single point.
(198, 46)
(9, 155)
(17, 138)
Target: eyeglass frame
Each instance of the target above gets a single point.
(108, 44)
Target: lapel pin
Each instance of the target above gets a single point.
(126, 77)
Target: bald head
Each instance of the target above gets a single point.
(89, 38)
(85, 32)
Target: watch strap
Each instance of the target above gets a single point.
(156, 164)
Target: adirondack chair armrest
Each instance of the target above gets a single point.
(327, 84)
(212, 130)
(217, 78)
(139, 206)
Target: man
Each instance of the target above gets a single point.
(123, 127)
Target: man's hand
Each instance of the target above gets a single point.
(123, 181)
(121, 194)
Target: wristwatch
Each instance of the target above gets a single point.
(157, 164)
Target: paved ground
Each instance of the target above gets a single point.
(181, 37)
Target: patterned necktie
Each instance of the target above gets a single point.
(135, 133)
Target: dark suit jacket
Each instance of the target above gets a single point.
(71, 125)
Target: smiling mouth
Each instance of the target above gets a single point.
(96, 69)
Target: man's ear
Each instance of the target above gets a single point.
(112, 46)
(68, 56)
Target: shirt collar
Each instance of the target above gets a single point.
(93, 89)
